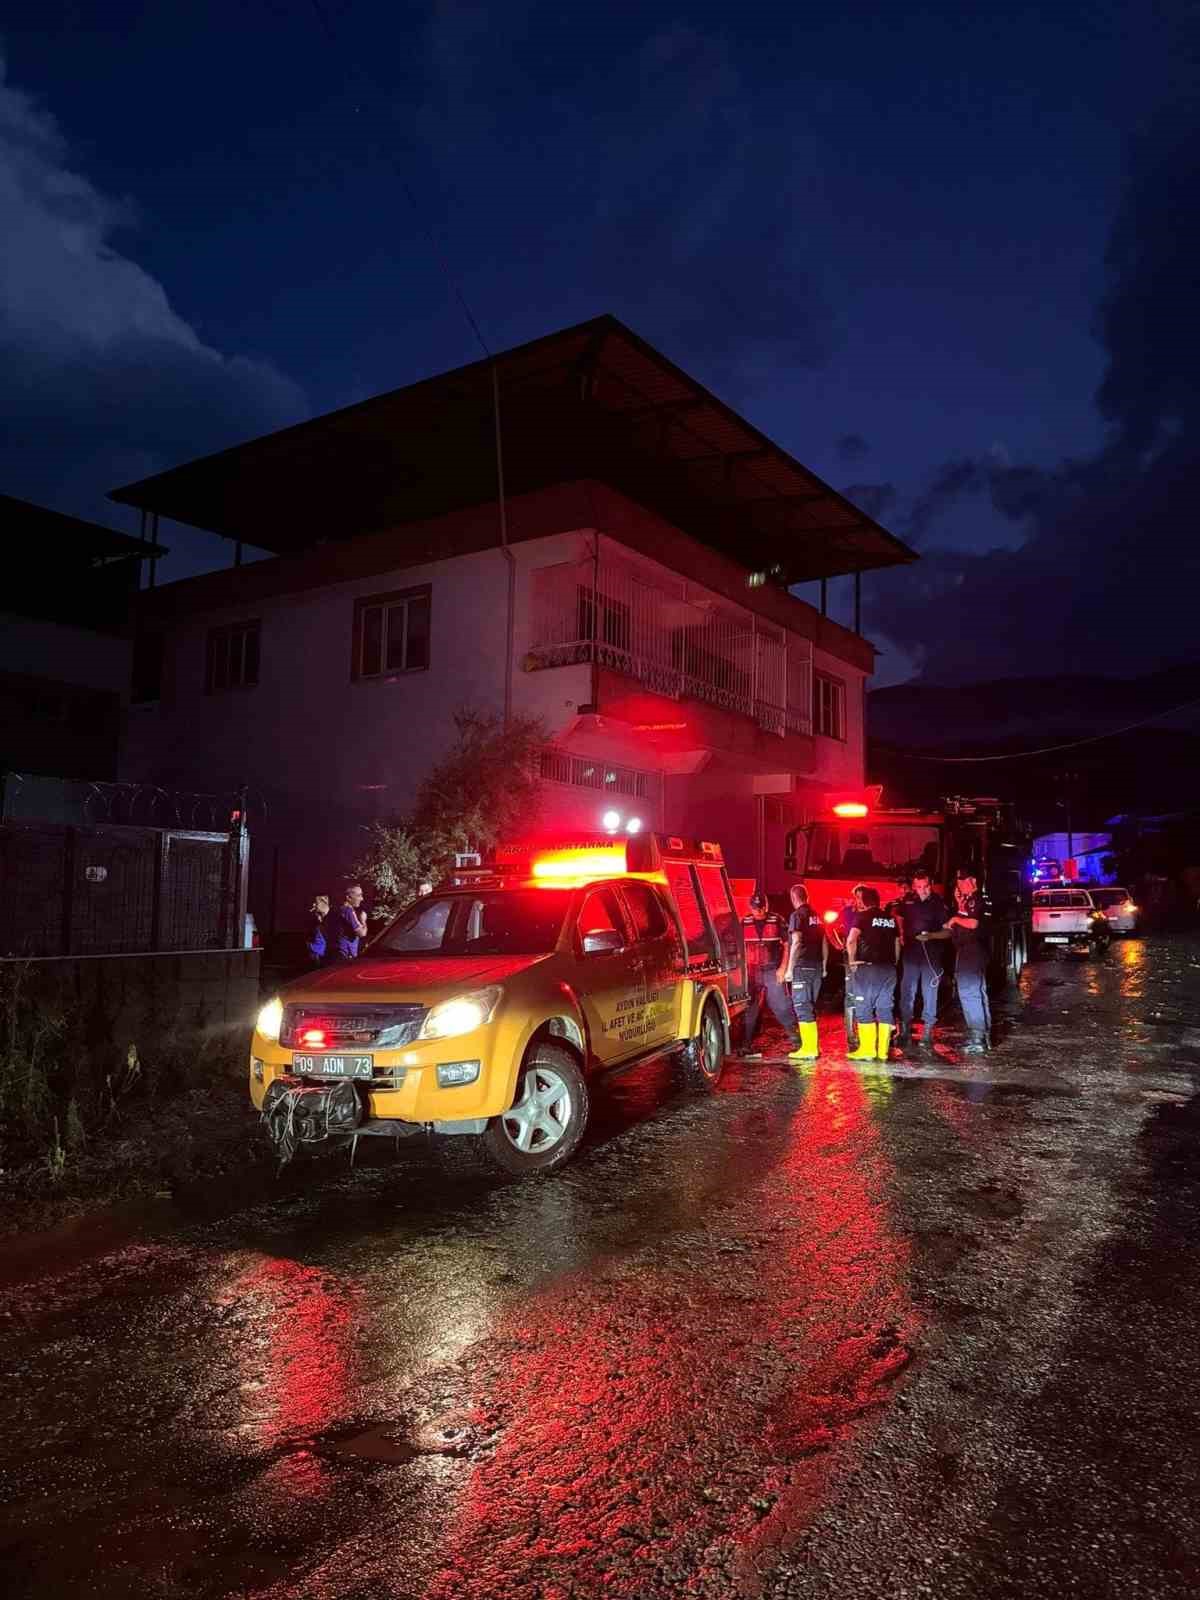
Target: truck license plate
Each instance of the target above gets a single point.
(1055, 938)
(334, 1066)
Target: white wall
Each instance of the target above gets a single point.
(65, 654)
(842, 765)
(326, 753)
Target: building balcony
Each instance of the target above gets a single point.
(678, 640)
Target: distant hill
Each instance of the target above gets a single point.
(1151, 768)
(932, 716)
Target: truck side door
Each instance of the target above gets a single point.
(663, 965)
(608, 979)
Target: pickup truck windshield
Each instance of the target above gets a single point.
(866, 850)
(514, 922)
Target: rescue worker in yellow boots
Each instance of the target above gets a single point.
(836, 933)
(763, 933)
(803, 969)
(872, 949)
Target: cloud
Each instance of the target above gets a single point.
(873, 498)
(1108, 576)
(100, 377)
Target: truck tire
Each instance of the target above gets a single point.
(542, 1128)
(702, 1059)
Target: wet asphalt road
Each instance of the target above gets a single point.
(850, 1332)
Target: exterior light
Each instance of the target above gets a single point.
(831, 916)
(581, 864)
(634, 825)
(463, 1014)
(270, 1019)
(611, 821)
(850, 808)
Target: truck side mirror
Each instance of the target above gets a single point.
(603, 942)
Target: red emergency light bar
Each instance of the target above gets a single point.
(586, 862)
(850, 808)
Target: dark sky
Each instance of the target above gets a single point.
(944, 253)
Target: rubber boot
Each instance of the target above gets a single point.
(808, 1050)
(903, 1036)
(868, 1036)
(885, 1041)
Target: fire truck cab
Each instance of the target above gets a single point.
(857, 840)
(485, 1007)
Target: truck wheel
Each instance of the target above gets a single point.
(543, 1126)
(703, 1057)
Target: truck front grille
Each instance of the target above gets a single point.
(380, 1027)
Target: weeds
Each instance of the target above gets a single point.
(67, 1077)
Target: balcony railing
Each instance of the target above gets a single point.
(679, 640)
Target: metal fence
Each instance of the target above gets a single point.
(84, 870)
(677, 639)
(114, 889)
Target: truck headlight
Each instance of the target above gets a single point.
(461, 1015)
(270, 1019)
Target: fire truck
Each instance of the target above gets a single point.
(857, 840)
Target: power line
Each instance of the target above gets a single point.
(1051, 749)
(438, 253)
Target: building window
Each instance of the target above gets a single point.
(391, 634)
(829, 706)
(233, 652)
(582, 772)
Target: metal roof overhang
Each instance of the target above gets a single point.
(593, 401)
(40, 535)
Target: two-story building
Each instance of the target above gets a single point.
(66, 607)
(577, 530)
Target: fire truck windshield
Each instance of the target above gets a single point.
(876, 849)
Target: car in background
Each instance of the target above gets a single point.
(1070, 920)
(1118, 907)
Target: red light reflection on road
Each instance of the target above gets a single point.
(679, 1410)
(304, 1359)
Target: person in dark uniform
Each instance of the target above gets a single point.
(803, 968)
(872, 947)
(837, 933)
(904, 893)
(922, 960)
(763, 932)
(968, 929)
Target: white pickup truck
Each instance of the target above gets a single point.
(1069, 919)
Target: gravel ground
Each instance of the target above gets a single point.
(841, 1332)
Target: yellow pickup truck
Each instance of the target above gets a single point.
(487, 1007)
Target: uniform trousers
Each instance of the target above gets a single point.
(765, 985)
(872, 989)
(970, 973)
(919, 974)
(806, 985)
